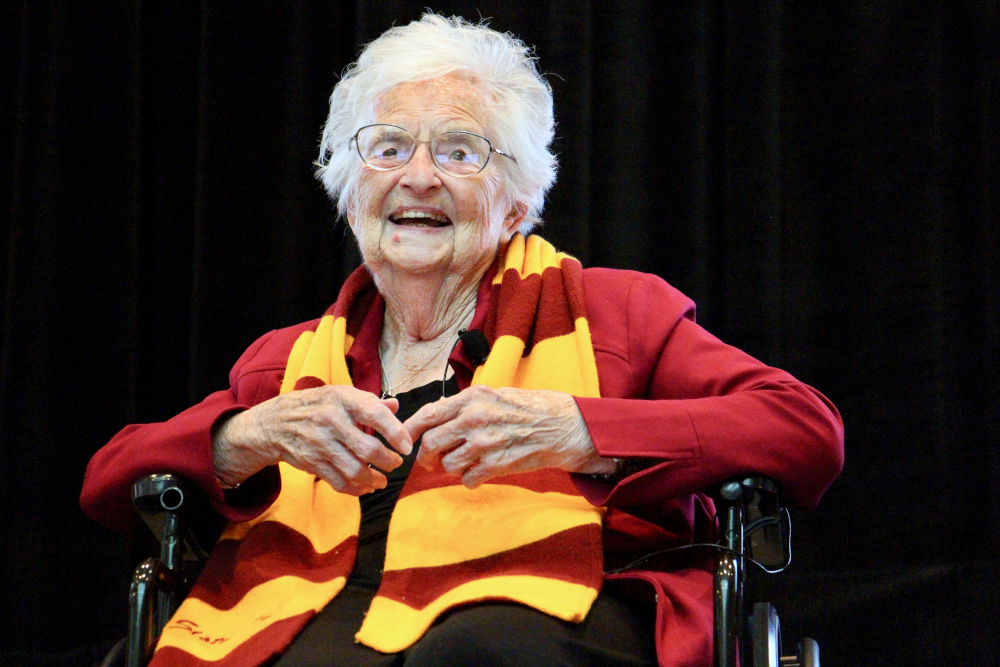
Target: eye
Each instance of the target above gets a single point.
(390, 153)
(459, 148)
(384, 147)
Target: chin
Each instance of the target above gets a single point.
(415, 261)
(416, 251)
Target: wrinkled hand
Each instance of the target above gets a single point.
(316, 430)
(483, 432)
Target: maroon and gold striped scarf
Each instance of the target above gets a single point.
(531, 538)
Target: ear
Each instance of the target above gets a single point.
(515, 216)
(351, 212)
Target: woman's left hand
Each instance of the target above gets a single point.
(483, 432)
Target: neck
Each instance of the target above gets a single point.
(422, 318)
(421, 309)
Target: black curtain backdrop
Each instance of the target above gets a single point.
(822, 177)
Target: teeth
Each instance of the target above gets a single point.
(421, 215)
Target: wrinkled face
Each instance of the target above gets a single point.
(418, 219)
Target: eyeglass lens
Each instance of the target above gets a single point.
(388, 147)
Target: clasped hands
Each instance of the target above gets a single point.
(478, 434)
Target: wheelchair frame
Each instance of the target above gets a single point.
(748, 513)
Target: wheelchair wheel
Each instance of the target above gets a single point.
(808, 653)
(116, 656)
(765, 633)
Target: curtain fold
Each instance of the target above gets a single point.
(821, 177)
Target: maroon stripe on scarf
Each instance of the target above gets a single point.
(536, 307)
(308, 382)
(266, 644)
(356, 283)
(356, 299)
(573, 273)
(518, 299)
(554, 317)
(565, 556)
(269, 550)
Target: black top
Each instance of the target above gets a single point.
(377, 507)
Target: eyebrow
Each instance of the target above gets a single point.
(438, 126)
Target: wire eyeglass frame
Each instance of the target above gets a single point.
(439, 164)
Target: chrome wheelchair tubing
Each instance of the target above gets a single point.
(141, 637)
(729, 577)
(172, 556)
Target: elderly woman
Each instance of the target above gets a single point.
(441, 469)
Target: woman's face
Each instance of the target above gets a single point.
(418, 219)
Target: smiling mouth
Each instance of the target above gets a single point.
(420, 219)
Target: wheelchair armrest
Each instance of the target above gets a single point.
(753, 502)
(180, 516)
(735, 488)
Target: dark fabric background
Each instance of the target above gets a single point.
(820, 176)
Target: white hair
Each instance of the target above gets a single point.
(520, 118)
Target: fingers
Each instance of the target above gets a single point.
(357, 472)
(475, 476)
(457, 431)
(365, 450)
(484, 433)
(347, 409)
(436, 413)
(380, 415)
(334, 478)
(444, 425)
(363, 409)
(321, 431)
(478, 434)
(478, 462)
(334, 459)
(431, 451)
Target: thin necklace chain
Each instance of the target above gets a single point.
(387, 393)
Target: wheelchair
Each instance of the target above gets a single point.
(753, 528)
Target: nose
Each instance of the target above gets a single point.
(420, 173)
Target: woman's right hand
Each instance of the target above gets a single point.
(315, 430)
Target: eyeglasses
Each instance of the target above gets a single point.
(459, 153)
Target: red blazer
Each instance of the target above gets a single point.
(670, 392)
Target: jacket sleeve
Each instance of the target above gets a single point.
(699, 410)
(183, 446)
